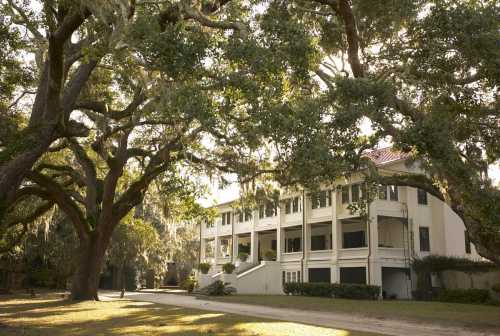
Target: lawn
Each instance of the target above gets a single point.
(51, 315)
(477, 317)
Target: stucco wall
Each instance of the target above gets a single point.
(263, 279)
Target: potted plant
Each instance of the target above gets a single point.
(243, 256)
(228, 268)
(270, 255)
(204, 268)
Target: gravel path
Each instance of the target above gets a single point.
(332, 320)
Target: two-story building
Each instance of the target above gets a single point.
(317, 237)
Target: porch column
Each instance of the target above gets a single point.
(216, 249)
(254, 246)
(235, 248)
(281, 219)
(373, 223)
(203, 247)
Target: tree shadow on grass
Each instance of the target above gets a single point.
(123, 317)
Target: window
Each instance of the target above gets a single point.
(355, 275)
(248, 215)
(321, 199)
(261, 211)
(319, 275)
(345, 194)
(318, 243)
(292, 205)
(225, 248)
(295, 204)
(291, 276)
(467, 242)
(226, 218)
(355, 192)
(270, 209)
(422, 196)
(354, 239)
(288, 206)
(425, 245)
(393, 193)
(292, 245)
(209, 223)
(382, 192)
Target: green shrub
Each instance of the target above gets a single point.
(317, 289)
(345, 291)
(189, 284)
(293, 288)
(496, 288)
(270, 255)
(472, 295)
(204, 267)
(217, 288)
(228, 268)
(243, 256)
(356, 291)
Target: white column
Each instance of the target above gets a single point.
(216, 249)
(373, 223)
(254, 247)
(203, 246)
(235, 247)
(281, 220)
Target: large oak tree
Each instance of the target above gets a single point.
(425, 75)
(185, 89)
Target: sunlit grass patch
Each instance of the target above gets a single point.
(51, 315)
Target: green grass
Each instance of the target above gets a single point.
(51, 315)
(477, 317)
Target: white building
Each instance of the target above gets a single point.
(317, 238)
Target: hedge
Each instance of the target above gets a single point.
(345, 291)
(472, 295)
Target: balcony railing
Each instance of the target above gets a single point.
(291, 256)
(320, 255)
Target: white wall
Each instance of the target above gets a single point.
(263, 279)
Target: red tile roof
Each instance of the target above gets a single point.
(385, 155)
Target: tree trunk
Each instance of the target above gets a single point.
(86, 279)
(15, 169)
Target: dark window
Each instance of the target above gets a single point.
(244, 248)
(345, 194)
(467, 242)
(261, 211)
(283, 277)
(295, 204)
(292, 245)
(393, 193)
(421, 196)
(355, 275)
(226, 218)
(288, 206)
(425, 245)
(240, 216)
(321, 199)
(355, 192)
(273, 244)
(270, 209)
(319, 275)
(382, 192)
(354, 239)
(248, 214)
(318, 243)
